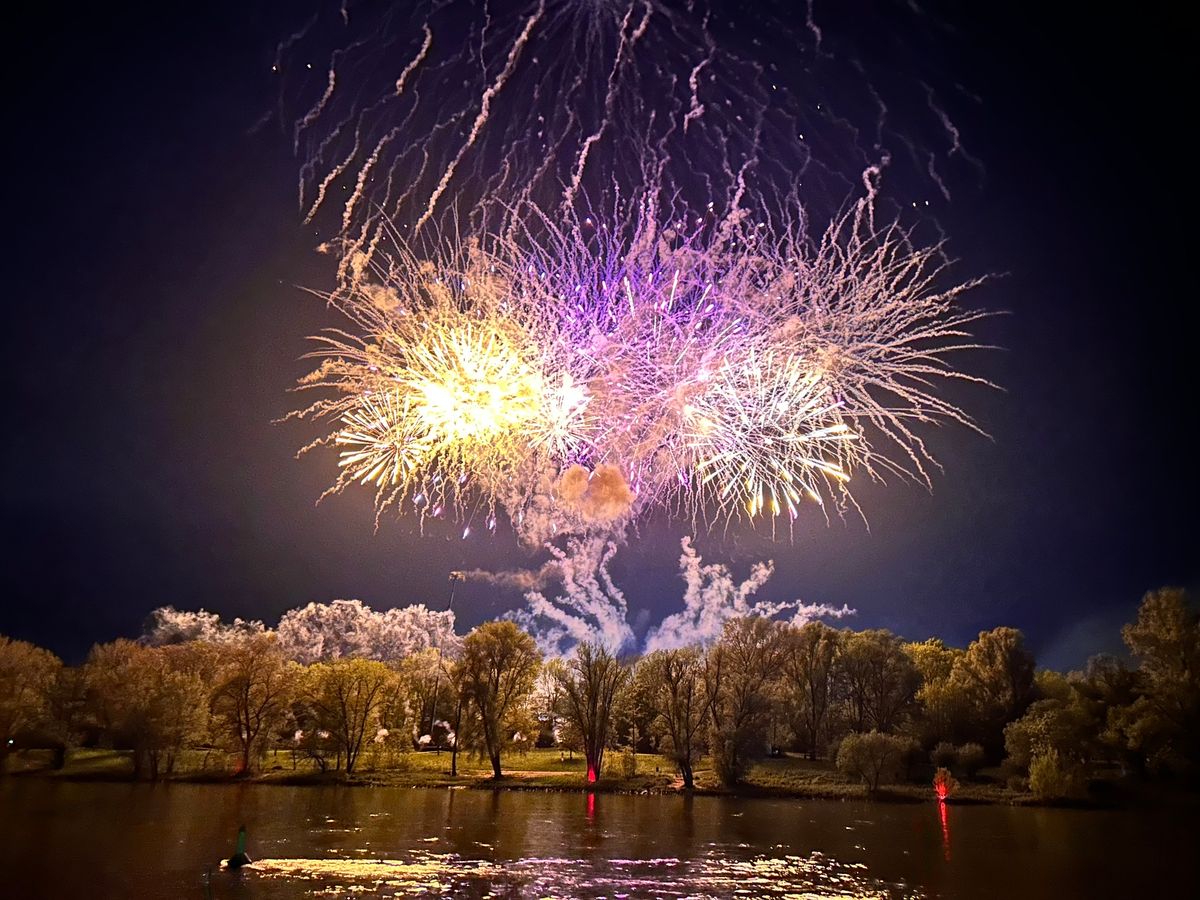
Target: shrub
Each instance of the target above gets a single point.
(875, 758)
(1053, 778)
(970, 759)
(944, 756)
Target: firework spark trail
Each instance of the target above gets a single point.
(485, 107)
(731, 371)
(624, 47)
(434, 110)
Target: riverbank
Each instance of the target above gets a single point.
(535, 770)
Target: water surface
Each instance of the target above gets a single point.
(66, 840)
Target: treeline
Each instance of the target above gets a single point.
(867, 700)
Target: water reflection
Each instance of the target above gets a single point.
(715, 874)
(944, 813)
(99, 840)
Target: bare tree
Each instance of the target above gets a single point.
(589, 682)
(673, 681)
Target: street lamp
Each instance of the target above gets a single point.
(455, 578)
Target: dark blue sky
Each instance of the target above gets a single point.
(154, 328)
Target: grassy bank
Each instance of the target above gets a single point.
(534, 770)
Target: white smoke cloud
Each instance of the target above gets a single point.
(518, 579)
(712, 597)
(589, 606)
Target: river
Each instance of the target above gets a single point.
(86, 840)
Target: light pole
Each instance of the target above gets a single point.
(455, 578)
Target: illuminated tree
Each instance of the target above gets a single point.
(942, 704)
(879, 680)
(146, 701)
(1165, 638)
(252, 694)
(348, 697)
(996, 674)
(589, 682)
(500, 663)
(875, 758)
(809, 672)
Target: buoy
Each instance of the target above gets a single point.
(240, 858)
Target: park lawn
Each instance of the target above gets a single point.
(537, 769)
(547, 769)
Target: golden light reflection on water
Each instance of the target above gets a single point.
(716, 874)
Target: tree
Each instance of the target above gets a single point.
(27, 675)
(673, 680)
(1110, 690)
(996, 674)
(874, 757)
(425, 698)
(145, 702)
(809, 669)
(1165, 638)
(941, 702)
(499, 665)
(1053, 778)
(347, 697)
(589, 682)
(252, 694)
(739, 671)
(880, 679)
(547, 700)
(1057, 725)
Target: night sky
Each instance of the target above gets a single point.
(154, 325)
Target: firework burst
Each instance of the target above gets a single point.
(578, 379)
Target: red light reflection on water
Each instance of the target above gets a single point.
(944, 811)
(591, 806)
